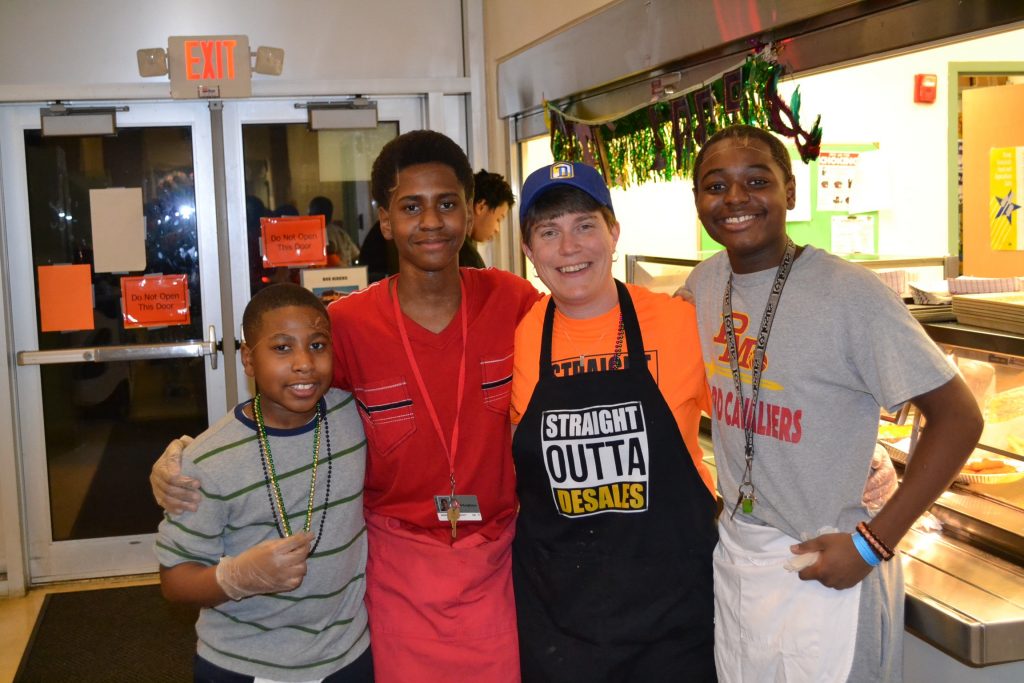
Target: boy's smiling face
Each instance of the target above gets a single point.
(292, 362)
(742, 196)
(427, 217)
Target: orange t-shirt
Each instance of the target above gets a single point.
(669, 327)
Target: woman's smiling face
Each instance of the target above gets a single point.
(573, 257)
(742, 196)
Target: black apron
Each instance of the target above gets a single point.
(612, 556)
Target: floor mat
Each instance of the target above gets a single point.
(112, 635)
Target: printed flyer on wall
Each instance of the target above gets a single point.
(1006, 177)
(330, 284)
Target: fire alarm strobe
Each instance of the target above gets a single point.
(924, 88)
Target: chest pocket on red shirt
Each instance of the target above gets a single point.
(496, 382)
(387, 413)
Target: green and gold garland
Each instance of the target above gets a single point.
(661, 140)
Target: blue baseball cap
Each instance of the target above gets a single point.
(573, 174)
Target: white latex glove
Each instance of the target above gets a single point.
(798, 562)
(881, 483)
(172, 491)
(274, 566)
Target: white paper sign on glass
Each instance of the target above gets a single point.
(118, 230)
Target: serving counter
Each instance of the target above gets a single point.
(965, 583)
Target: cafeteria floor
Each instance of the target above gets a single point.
(18, 615)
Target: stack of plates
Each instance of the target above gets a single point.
(1002, 311)
(932, 313)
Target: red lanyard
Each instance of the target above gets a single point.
(449, 451)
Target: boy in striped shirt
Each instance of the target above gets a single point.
(276, 553)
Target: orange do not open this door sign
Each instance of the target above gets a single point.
(294, 241)
(155, 301)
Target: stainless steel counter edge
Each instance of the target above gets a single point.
(963, 600)
(960, 599)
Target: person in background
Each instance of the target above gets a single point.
(801, 349)
(278, 595)
(341, 250)
(612, 555)
(492, 200)
(259, 276)
(378, 255)
(428, 355)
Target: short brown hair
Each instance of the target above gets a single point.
(558, 201)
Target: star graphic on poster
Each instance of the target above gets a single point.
(1006, 206)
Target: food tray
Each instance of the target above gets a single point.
(898, 453)
(897, 450)
(998, 478)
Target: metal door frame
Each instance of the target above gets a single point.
(408, 111)
(23, 486)
(47, 560)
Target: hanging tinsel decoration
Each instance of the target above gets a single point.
(660, 140)
(807, 143)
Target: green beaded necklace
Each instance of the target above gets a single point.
(273, 488)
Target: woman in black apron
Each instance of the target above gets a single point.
(612, 556)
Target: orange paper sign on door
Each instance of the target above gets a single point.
(155, 300)
(294, 241)
(65, 298)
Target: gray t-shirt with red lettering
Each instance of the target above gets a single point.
(842, 344)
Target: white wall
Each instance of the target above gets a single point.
(870, 102)
(873, 102)
(510, 26)
(51, 48)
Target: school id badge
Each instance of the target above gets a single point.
(469, 508)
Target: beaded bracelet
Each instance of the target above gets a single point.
(865, 550)
(884, 551)
(872, 541)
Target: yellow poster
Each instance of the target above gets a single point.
(1006, 175)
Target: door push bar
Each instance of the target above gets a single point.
(106, 354)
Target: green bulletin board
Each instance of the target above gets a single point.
(818, 230)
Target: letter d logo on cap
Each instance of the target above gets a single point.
(562, 170)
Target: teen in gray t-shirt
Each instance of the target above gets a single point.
(839, 346)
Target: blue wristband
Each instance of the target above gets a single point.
(866, 551)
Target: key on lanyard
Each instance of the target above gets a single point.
(453, 513)
(744, 501)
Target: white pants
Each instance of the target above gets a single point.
(771, 627)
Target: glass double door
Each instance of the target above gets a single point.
(98, 394)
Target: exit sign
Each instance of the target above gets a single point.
(209, 67)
